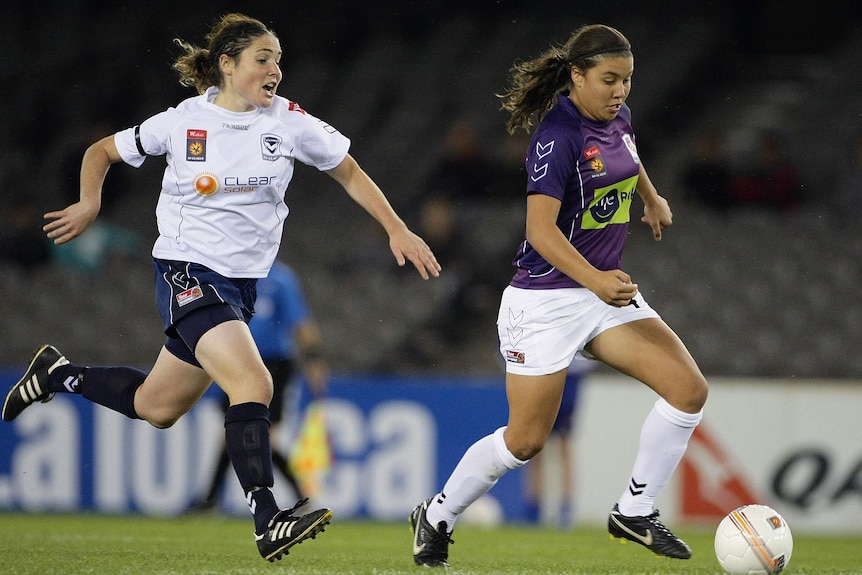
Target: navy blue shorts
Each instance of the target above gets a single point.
(193, 298)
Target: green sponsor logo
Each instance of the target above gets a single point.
(611, 205)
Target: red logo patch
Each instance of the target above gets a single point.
(592, 152)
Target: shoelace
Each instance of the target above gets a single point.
(440, 535)
(653, 519)
(297, 505)
(287, 514)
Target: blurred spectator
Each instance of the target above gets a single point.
(104, 245)
(22, 241)
(439, 224)
(463, 172)
(706, 180)
(772, 181)
(848, 184)
(508, 171)
(116, 180)
(107, 240)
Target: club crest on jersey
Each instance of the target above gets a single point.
(269, 145)
(630, 146)
(196, 145)
(597, 164)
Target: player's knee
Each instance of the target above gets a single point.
(699, 393)
(527, 448)
(162, 422)
(163, 418)
(694, 396)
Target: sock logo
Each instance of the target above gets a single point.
(71, 383)
(636, 488)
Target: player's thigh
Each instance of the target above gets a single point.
(534, 401)
(230, 356)
(649, 351)
(170, 390)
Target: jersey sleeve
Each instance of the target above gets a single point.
(150, 138)
(551, 162)
(319, 144)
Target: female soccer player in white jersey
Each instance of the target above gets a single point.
(230, 153)
(569, 300)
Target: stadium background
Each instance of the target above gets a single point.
(756, 294)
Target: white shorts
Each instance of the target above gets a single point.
(543, 331)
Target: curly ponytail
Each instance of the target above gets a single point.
(535, 83)
(199, 67)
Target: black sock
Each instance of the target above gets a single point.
(247, 440)
(112, 387)
(66, 379)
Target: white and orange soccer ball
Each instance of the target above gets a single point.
(753, 540)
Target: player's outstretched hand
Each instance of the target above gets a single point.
(68, 224)
(406, 245)
(658, 216)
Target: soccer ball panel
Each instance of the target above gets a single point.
(753, 540)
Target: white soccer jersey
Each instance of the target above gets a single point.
(222, 199)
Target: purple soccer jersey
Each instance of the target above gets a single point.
(592, 168)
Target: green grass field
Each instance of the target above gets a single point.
(98, 544)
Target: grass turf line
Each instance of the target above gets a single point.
(94, 544)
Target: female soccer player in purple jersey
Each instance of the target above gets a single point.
(230, 153)
(569, 300)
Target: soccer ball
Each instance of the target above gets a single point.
(753, 539)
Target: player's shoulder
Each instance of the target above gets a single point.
(558, 132)
(287, 110)
(190, 105)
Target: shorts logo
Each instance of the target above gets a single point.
(513, 356)
(196, 145)
(189, 295)
(269, 145)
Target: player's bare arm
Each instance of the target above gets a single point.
(657, 214)
(69, 223)
(613, 287)
(405, 245)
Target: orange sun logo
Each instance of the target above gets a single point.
(206, 184)
(196, 148)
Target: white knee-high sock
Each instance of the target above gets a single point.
(663, 441)
(480, 467)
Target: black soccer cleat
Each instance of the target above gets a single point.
(648, 531)
(286, 530)
(430, 545)
(33, 385)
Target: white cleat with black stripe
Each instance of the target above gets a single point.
(33, 385)
(286, 530)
